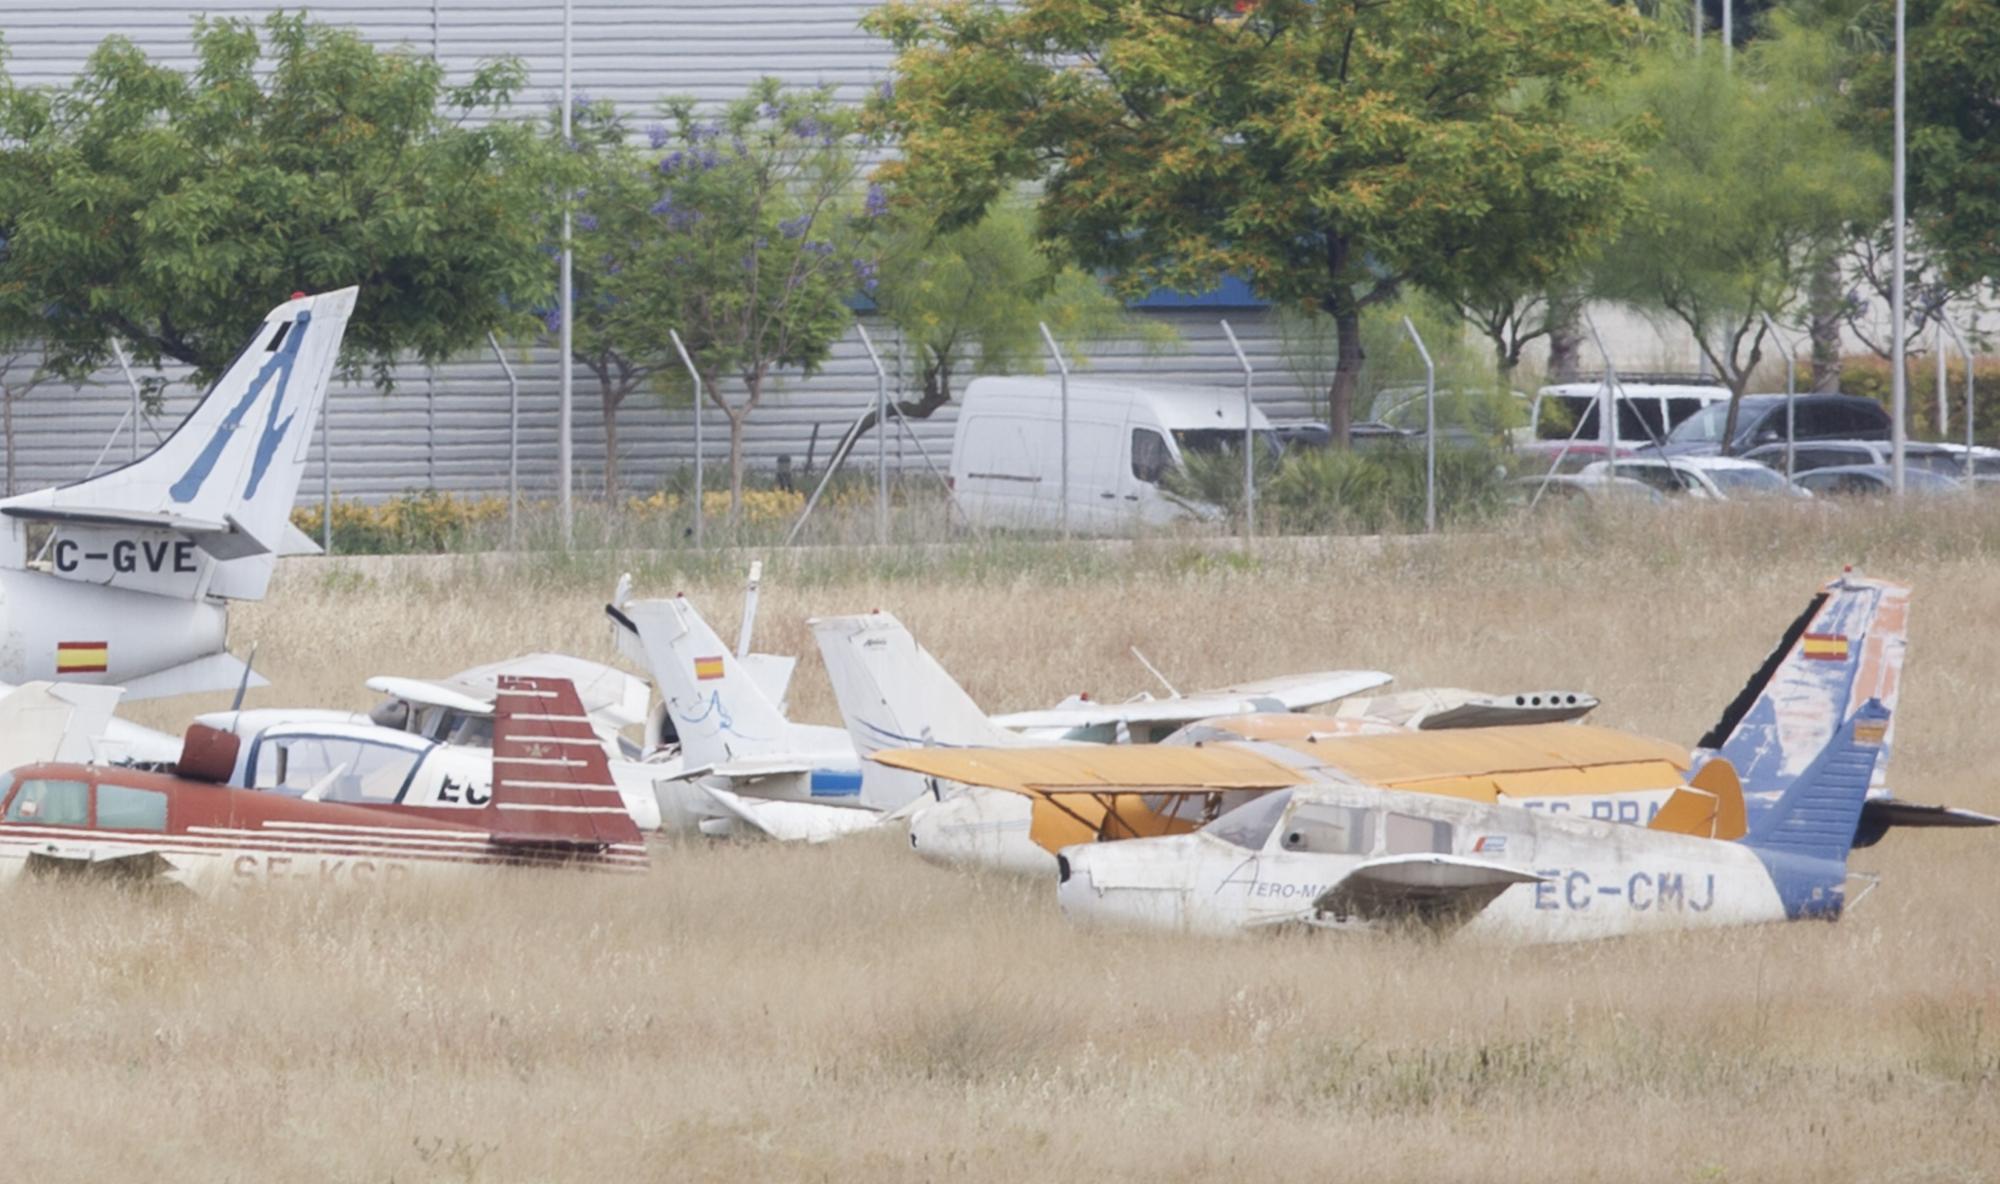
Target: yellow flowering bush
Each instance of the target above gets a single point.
(424, 520)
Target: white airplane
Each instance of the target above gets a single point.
(142, 561)
(749, 765)
(893, 693)
(1341, 855)
(431, 743)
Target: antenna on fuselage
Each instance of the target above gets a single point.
(243, 687)
(1154, 671)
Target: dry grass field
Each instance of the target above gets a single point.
(847, 1012)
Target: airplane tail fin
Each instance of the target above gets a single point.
(1815, 817)
(1843, 651)
(894, 694)
(551, 779)
(209, 510)
(716, 700)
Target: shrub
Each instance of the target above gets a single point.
(1381, 488)
(1868, 375)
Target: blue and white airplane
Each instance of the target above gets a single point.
(1340, 855)
(132, 582)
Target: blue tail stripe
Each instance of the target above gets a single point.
(1803, 838)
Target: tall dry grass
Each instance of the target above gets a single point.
(847, 1012)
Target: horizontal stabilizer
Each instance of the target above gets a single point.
(793, 822)
(297, 542)
(1879, 815)
(1429, 889)
(194, 528)
(1287, 694)
(215, 672)
(749, 769)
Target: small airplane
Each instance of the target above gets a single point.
(1339, 854)
(1846, 650)
(893, 692)
(751, 767)
(431, 742)
(141, 561)
(553, 803)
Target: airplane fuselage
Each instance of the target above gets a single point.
(1591, 879)
(68, 631)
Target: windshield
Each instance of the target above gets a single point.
(1250, 824)
(1751, 482)
(1704, 426)
(1221, 441)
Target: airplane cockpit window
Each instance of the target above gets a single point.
(391, 713)
(120, 807)
(472, 731)
(51, 803)
(338, 768)
(1406, 834)
(1250, 824)
(1319, 829)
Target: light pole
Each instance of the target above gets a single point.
(565, 406)
(1899, 396)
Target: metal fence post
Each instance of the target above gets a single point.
(513, 445)
(1249, 442)
(125, 364)
(326, 472)
(1966, 350)
(1791, 393)
(1062, 367)
(881, 437)
(1430, 429)
(698, 395)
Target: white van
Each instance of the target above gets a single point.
(1006, 458)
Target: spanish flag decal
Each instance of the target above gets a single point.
(707, 668)
(82, 657)
(1828, 647)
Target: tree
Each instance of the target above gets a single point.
(625, 291)
(1953, 94)
(973, 298)
(1750, 186)
(1328, 153)
(173, 209)
(757, 243)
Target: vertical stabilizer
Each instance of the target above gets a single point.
(1846, 649)
(551, 779)
(208, 511)
(1805, 836)
(715, 700)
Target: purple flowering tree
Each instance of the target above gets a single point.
(759, 241)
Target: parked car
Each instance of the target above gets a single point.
(1705, 478)
(1946, 460)
(1873, 481)
(1581, 489)
(1124, 439)
(1762, 421)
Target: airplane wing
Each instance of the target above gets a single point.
(1097, 768)
(792, 821)
(429, 694)
(1276, 694)
(214, 672)
(1427, 889)
(1300, 691)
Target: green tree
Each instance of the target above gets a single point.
(174, 208)
(1751, 186)
(970, 299)
(1327, 152)
(1953, 93)
(626, 290)
(757, 242)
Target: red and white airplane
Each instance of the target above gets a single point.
(554, 803)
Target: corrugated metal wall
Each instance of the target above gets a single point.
(449, 428)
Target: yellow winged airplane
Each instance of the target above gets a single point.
(1846, 648)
